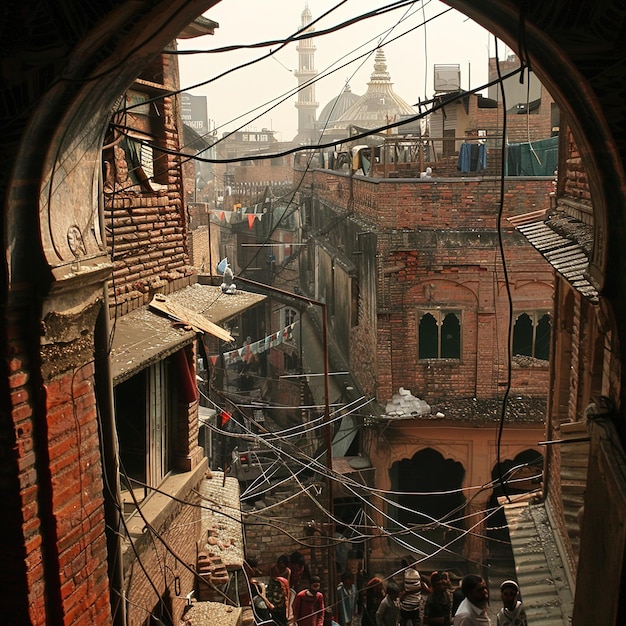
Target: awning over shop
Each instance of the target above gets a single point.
(147, 335)
(541, 574)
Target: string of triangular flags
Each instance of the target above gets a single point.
(227, 216)
(245, 352)
(256, 212)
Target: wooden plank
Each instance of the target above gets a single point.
(184, 315)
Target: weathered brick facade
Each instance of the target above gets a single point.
(436, 246)
(408, 246)
(304, 528)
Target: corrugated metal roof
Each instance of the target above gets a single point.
(566, 256)
(143, 336)
(540, 571)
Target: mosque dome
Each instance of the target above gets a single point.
(336, 108)
(380, 105)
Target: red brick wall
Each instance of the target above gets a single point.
(468, 279)
(435, 203)
(575, 183)
(58, 543)
(21, 556)
(161, 564)
(146, 229)
(437, 246)
(303, 528)
(263, 172)
(77, 495)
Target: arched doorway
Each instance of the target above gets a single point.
(519, 475)
(429, 502)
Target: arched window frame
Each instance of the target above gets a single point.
(289, 315)
(536, 319)
(439, 316)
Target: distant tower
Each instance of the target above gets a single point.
(305, 73)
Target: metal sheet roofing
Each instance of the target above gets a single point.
(568, 257)
(541, 575)
(143, 336)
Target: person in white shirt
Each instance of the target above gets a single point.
(512, 612)
(473, 610)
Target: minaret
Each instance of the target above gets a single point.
(305, 73)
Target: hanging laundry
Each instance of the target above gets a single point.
(472, 157)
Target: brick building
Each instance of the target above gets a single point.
(409, 260)
(64, 68)
(419, 299)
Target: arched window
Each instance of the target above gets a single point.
(428, 337)
(531, 335)
(542, 338)
(523, 335)
(439, 335)
(451, 337)
(289, 316)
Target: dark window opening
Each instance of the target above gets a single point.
(430, 490)
(451, 337)
(531, 335)
(143, 416)
(440, 335)
(523, 336)
(428, 337)
(542, 338)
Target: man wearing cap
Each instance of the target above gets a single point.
(473, 610)
(512, 613)
(411, 598)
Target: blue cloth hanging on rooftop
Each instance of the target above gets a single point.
(472, 157)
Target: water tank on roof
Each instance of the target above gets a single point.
(447, 78)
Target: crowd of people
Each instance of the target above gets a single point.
(401, 599)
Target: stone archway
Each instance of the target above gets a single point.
(89, 54)
(82, 56)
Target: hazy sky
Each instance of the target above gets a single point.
(237, 99)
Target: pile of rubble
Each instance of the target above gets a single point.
(405, 405)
